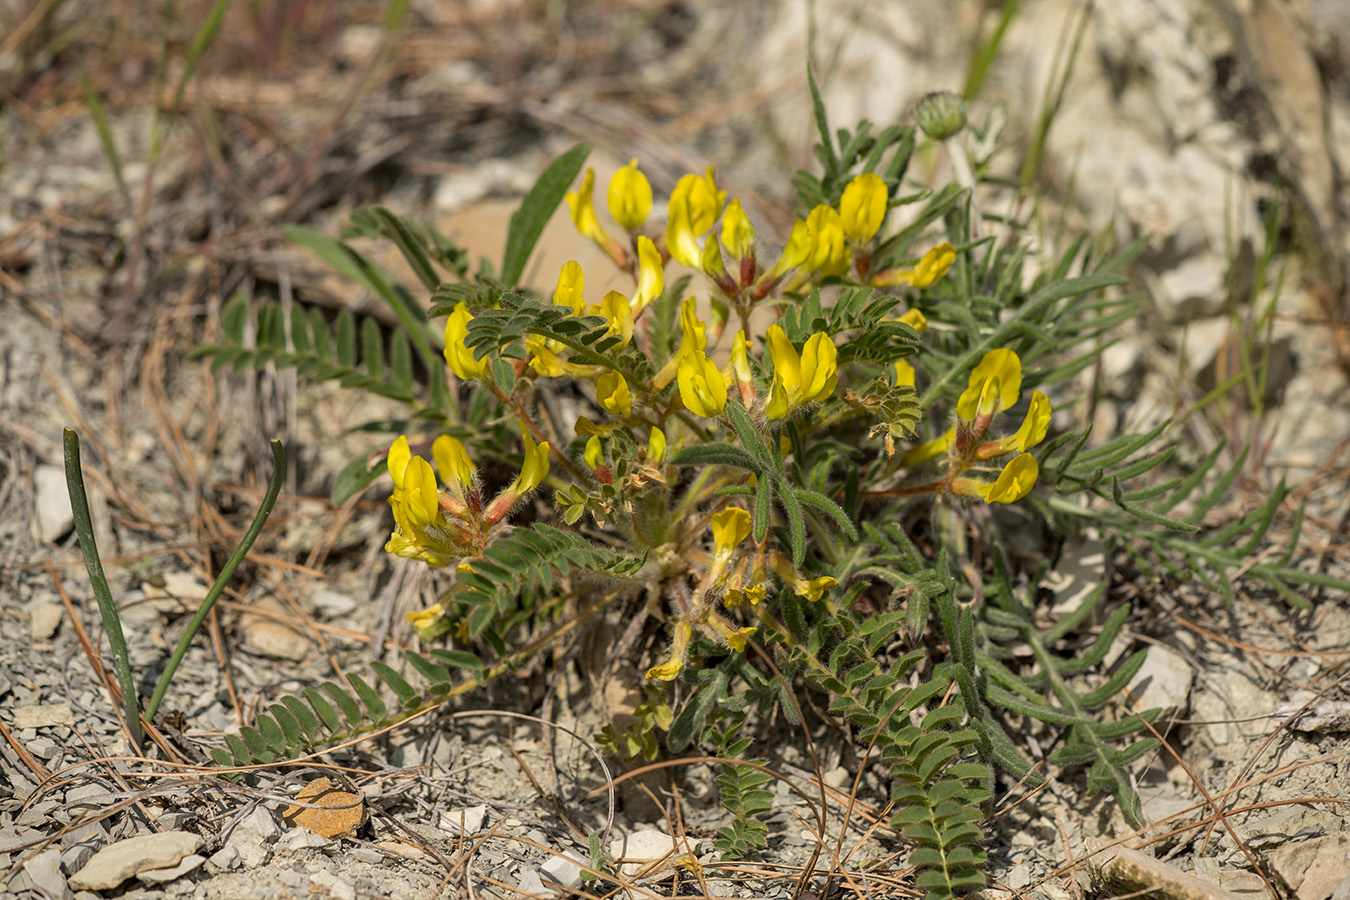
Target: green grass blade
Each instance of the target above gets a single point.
(527, 222)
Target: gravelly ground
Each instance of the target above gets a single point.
(175, 469)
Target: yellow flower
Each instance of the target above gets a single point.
(618, 312)
(738, 235)
(694, 206)
(582, 205)
(862, 207)
(734, 637)
(612, 391)
(915, 319)
(929, 450)
(933, 265)
(452, 461)
(630, 197)
(550, 365)
(1035, 425)
(810, 378)
(814, 590)
(457, 354)
(694, 334)
(1014, 482)
(740, 366)
(534, 467)
(679, 650)
(421, 530)
(594, 453)
(656, 446)
(422, 619)
(711, 260)
(651, 275)
(930, 268)
(702, 387)
(904, 373)
(571, 281)
(797, 250)
(729, 528)
(993, 386)
(829, 251)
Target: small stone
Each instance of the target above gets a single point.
(51, 504)
(342, 890)
(466, 821)
(837, 777)
(1312, 870)
(225, 858)
(529, 883)
(1164, 680)
(366, 855)
(45, 872)
(45, 619)
(649, 854)
(116, 863)
(299, 839)
(172, 873)
(564, 869)
(271, 638)
(342, 815)
(334, 604)
(43, 716)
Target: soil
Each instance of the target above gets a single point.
(299, 113)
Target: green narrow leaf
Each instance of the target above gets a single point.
(369, 697)
(323, 710)
(344, 700)
(796, 525)
(822, 124)
(428, 669)
(527, 223)
(271, 732)
(372, 345)
(290, 726)
(408, 244)
(695, 712)
(346, 339)
(239, 750)
(222, 756)
(400, 361)
(459, 659)
(313, 730)
(407, 695)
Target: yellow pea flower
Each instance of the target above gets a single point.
(812, 589)
(729, 528)
(733, 637)
(612, 391)
(694, 206)
(534, 467)
(424, 619)
(452, 461)
(738, 235)
(829, 253)
(904, 373)
(694, 334)
(994, 385)
(915, 319)
(702, 387)
(930, 449)
(457, 354)
(582, 204)
(571, 282)
(618, 312)
(656, 446)
(933, 265)
(1035, 425)
(797, 250)
(798, 380)
(630, 197)
(1014, 482)
(651, 274)
(710, 260)
(594, 453)
(550, 365)
(679, 651)
(421, 530)
(862, 207)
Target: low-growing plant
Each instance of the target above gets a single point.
(812, 470)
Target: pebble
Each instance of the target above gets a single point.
(1313, 870)
(651, 853)
(172, 873)
(251, 837)
(45, 871)
(45, 716)
(837, 777)
(116, 863)
(51, 504)
(299, 839)
(467, 820)
(1163, 681)
(564, 869)
(44, 619)
(270, 637)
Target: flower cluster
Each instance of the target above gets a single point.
(439, 526)
(683, 388)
